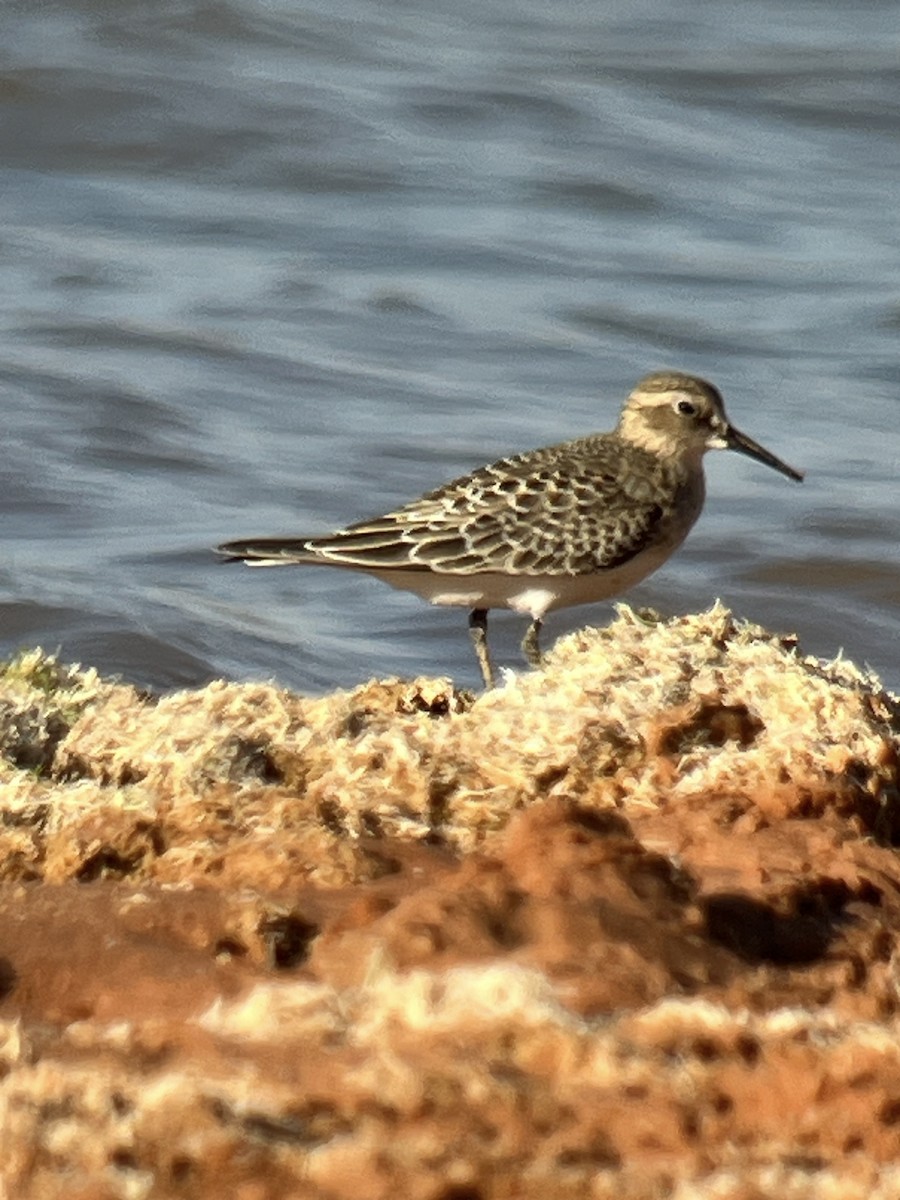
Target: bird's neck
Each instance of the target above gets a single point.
(682, 457)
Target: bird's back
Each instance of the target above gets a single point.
(574, 508)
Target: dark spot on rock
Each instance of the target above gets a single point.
(288, 938)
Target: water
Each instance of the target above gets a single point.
(269, 267)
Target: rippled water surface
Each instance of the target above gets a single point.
(271, 266)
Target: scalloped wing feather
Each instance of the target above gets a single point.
(572, 509)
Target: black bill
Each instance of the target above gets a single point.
(735, 440)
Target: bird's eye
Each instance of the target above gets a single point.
(686, 408)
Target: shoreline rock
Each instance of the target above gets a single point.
(625, 926)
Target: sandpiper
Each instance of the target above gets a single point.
(568, 524)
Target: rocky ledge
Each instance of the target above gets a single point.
(624, 927)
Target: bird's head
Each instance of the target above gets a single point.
(680, 417)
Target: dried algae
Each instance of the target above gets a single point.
(625, 926)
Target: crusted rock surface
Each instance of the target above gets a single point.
(625, 927)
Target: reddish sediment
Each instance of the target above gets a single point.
(624, 927)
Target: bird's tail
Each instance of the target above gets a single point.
(268, 552)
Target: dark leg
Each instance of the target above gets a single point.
(478, 631)
(531, 645)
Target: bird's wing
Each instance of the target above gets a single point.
(546, 512)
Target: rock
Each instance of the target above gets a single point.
(624, 927)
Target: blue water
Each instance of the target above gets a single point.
(270, 267)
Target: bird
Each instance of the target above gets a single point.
(568, 524)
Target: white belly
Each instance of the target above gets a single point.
(533, 595)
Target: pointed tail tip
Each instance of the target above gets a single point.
(231, 551)
(246, 552)
(264, 552)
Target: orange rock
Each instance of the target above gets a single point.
(623, 927)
